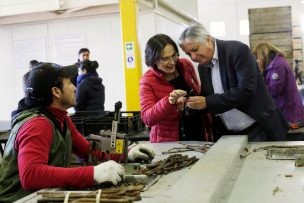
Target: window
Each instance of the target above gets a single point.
(218, 29)
(244, 27)
(302, 22)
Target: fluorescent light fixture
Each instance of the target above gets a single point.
(217, 29)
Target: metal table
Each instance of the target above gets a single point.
(222, 176)
(164, 182)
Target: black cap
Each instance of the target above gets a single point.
(44, 76)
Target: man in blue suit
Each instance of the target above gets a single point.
(232, 88)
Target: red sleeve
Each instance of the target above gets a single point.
(154, 111)
(33, 144)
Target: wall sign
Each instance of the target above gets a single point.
(130, 56)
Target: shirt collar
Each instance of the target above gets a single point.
(58, 113)
(214, 59)
(215, 54)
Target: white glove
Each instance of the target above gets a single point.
(141, 152)
(109, 171)
(175, 94)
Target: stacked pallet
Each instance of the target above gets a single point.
(272, 25)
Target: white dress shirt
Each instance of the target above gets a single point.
(233, 119)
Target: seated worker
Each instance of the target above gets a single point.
(38, 152)
(90, 92)
(168, 74)
(280, 82)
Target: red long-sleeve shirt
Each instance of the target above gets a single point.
(33, 143)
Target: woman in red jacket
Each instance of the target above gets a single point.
(163, 91)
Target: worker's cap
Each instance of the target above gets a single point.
(44, 76)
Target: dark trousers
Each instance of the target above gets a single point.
(192, 127)
(254, 132)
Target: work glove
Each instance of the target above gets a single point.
(109, 171)
(141, 152)
(175, 94)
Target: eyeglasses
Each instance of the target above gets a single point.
(168, 59)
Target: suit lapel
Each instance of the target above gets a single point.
(206, 81)
(222, 63)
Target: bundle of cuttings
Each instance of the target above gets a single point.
(186, 147)
(123, 193)
(173, 163)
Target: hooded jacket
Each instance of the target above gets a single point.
(90, 93)
(281, 85)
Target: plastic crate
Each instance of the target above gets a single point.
(79, 123)
(130, 122)
(79, 119)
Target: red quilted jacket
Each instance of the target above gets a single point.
(156, 111)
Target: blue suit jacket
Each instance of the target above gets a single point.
(244, 89)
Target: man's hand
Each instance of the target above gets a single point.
(109, 171)
(175, 94)
(197, 102)
(141, 152)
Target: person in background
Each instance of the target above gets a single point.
(232, 88)
(90, 93)
(33, 63)
(43, 137)
(280, 82)
(83, 55)
(21, 103)
(298, 73)
(167, 75)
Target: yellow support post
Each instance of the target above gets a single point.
(132, 62)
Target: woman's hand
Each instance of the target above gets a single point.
(175, 95)
(181, 102)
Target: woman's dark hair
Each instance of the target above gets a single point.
(155, 46)
(33, 63)
(89, 66)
